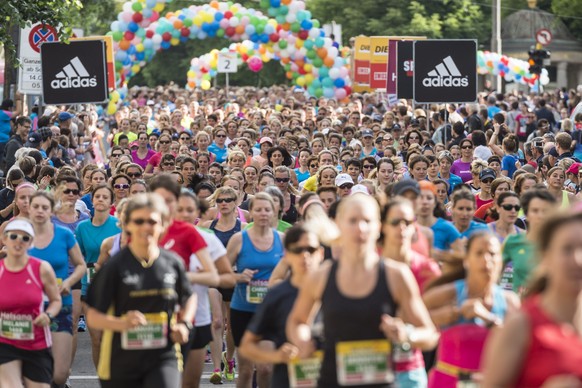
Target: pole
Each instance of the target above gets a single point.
(227, 87)
(496, 38)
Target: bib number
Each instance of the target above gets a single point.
(153, 335)
(16, 327)
(304, 373)
(364, 362)
(90, 274)
(256, 291)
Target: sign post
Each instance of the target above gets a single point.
(30, 74)
(445, 71)
(227, 63)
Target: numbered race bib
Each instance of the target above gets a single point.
(16, 327)
(153, 335)
(305, 373)
(90, 274)
(506, 281)
(364, 362)
(256, 291)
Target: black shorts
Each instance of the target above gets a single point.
(202, 337)
(37, 365)
(165, 374)
(226, 293)
(239, 320)
(77, 286)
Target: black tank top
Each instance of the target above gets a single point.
(224, 237)
(348, 319)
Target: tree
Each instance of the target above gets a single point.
(573, 10)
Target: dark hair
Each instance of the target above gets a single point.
(294, 234)
(522, 178)
(103, 186)
(542, 194)
(49, 197)
(15, 174)
(459, 195)
(507, 194)
(70, 179)
(354, 162)
(479, 138)
(165, 181)
(119, 176)
(204, 185)
(287, 159)
(418, 159)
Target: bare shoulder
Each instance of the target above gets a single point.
(317, 280)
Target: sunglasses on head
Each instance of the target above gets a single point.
(121, 186)
(14, 236)
(282, 180)
(299, 250)
(508, 207)
(225, 200)
(71, 191)
(400, 221)
(141, 221)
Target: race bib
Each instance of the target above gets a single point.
(304, 373)
(400, 355)
(364, 362)
(256, 291)
(16, 327)
(90, 274)
(506, 281)
(153, 335)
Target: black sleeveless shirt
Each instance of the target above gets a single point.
(349, 319)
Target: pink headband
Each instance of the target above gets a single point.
(24, 185)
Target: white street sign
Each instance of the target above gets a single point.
(30, 74)
(227, 63)
(544, 37)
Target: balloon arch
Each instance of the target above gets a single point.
(288, 34)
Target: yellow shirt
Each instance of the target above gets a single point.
(311, 183)
(130, 135)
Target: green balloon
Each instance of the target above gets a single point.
(187, 22)
(311, 54)
(316, 23)
(318, 92)
(283, 44)
(117, 36)
(296, 27)
(136, 6)
(220, 33)
(118, 65)
(265, 3)
(317, 62)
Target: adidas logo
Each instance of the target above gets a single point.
(446, 74)
(74, 75)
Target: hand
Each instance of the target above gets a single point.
(563, 381)
(518, 165)
(305, 348)
(179, 333)
(44, 182)
(247, 275)
(496, 127)
(65, 288)
(394, 329)
(286, 353)
(42, 320)
(474, 308)
(134, 318)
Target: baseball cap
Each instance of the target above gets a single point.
(487, 173)
(21, 225)
(405, 185)
(34, 140)
(359, 189)
(396, 127)
(553, 152)
(64, 116)
(45, 133)
(414, 123)
(377, 118)
(266, 140)
(574, 169)
(367, 133)
(342, 179)
(134, 143)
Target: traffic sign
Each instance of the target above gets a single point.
(31, 38)
(227, 63)
(544, 37)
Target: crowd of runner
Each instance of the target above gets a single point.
(291, 241)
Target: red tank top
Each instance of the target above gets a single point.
(420, 242)
(554, 348)
(21, 301)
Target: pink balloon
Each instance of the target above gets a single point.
(340, 93)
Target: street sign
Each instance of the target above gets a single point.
(30, 74)
(445, 71)
(227, 63)
(544, 36)
(74, 73)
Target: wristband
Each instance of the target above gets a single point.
(188, 325)
(49, 315)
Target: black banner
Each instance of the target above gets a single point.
(74, 73)
(405, 70)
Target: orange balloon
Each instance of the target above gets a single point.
(285, 60)
(191, 84)
(328, 62)
(289, 75)
(322, 52)
(286, 26)
(262, 49)
(178, 24)
(214, 4)
(300, 62)
(286, 2)
(124, 44)
(240, 29)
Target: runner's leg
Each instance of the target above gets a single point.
(11, 374)
(193, 368)
(216, 306)
(62, 343)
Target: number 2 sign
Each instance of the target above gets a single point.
(227, 63)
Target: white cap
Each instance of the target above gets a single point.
(21, 225)
(342, 179)
(325, 131)
(360, 189)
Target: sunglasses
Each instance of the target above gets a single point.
(184, 138)
(313, 166)
(300, 250)
(165, 142)
(121, 186)
(467, 147)
(220, 136)
(169, 164)
(134, 174)
(400, 221)
(225, 200)
(346, 186)
(509, 207)
(14, 236)
(141, 221)
(368, 166)
(487, 181)
(71, 191)
(282, 180)
(116, 155)
(413, 138)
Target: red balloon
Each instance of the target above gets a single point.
(244, 57)
(128, 35)
(230, 31)
(227, 15)
(348, 89)
(166, 36)
(184, 31)
(303, 34)
(302, 71)
(137, 17)
(274, 37)
(149, 34)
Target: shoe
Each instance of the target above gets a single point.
(229, 368)
(82, 326)
(216, 377)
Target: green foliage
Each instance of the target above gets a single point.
(96, 16)
(19, 13)
(573, 9)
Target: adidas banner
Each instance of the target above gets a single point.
(445, 71)
(74, 73)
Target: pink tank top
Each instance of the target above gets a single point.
(21, 301)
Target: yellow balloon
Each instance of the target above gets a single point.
(233, 8)
(111, 109)
(114, 96)
(197, 20)
(191, 74)
(213, 63)
(307, 67)
(174, 41)
(308, 79)
(135, 69)
(159, 7)
(205, 85)
(278, 107)
(300, 81)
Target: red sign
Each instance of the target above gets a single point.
(544, 37)
(40, 34)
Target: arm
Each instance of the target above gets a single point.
(100, 321)
(225, 272)
(104, 252)
(250, 348)
(441, 304)
(280, 272)
(208, 276)
(502, 363)
(50, 288)
(76, 258)
(493, 142)
(232, 250)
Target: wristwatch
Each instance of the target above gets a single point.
(49, 315)
(188, 325)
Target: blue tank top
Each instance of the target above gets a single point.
(224, 237)
(499, 307)
(250, 257)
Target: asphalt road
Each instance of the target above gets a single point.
(84, 375)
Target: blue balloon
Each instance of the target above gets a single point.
(339, 83)
(218, 16)
(127, 61)
(165, 45)
(250, 29)
(212, 33)
(184, 39)
(148, 44)
(147, 13)
(275, 3)
(131, 50)
(182, 17)
(212, 73)
(306, 25)
(120, 56)
(206, 27)
(254, 37)
(264, 38)
(151, 3)
(215, 26)
(133, 26)
(140, 56)
(328, 93)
